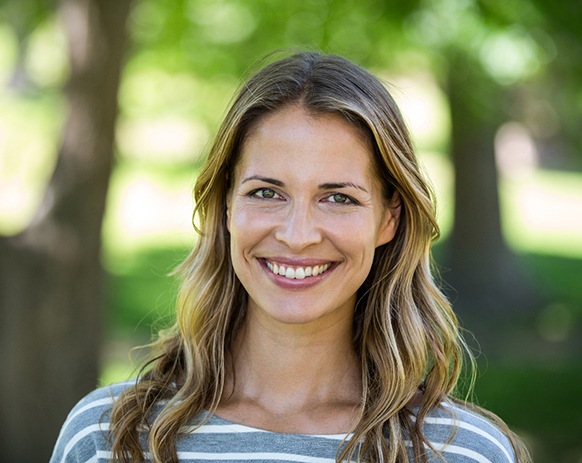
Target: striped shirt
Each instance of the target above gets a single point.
(460, 435)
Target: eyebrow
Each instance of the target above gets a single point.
(322, 186)
(334, 186)
(272, 181)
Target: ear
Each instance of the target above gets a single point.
(228, 204)
(390, 220)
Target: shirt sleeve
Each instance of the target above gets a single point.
(84, 435)
(463, 436)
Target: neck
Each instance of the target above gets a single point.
(289, 369)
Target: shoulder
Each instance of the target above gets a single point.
(463, 435)
(84, 433)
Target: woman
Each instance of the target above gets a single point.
(309, 326)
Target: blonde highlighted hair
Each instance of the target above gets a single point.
(405, 332)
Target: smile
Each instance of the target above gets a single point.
(297, 273)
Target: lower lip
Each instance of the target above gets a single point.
(294, 283)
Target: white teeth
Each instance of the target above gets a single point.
(298, 273)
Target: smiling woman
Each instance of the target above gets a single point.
(309, 325)
(304, 198)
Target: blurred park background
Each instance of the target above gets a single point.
(107, 106)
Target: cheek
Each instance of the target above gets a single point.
(244, 219)
(356, 237)
(246, 227)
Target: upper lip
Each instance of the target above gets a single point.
(297, 262)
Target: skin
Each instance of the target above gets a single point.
(304, 196)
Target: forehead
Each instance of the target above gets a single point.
(292, 136)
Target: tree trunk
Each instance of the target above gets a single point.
(50, 275)
(488, 284)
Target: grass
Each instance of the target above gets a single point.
(541, 403)
(558, 277)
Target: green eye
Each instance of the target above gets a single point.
(339, 198)
(265, 193)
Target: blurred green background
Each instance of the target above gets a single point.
(185, 60)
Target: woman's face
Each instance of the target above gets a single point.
(305, 215)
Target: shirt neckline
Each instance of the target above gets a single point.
(214, 419)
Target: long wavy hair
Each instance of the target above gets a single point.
(405, 332)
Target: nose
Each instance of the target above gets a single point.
(299, 228)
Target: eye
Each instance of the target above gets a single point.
(265, 193)
(339, 198)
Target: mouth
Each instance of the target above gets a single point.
(294, 272)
